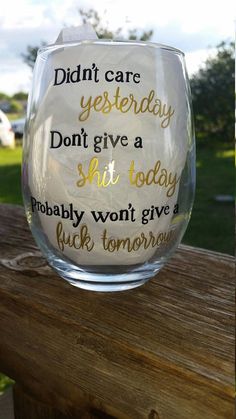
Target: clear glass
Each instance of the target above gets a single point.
(109, 160)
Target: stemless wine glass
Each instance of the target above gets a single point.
(109, 160)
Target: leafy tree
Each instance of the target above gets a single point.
(213, 96)
(15, 106)
(102, 29)
(20, 96)
(104, 32)
(31, 54)
(4, 96)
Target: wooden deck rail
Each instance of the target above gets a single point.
(161, 351)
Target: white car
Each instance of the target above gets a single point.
(18, 127)
(7, 136)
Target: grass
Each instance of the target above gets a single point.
(16, 115)
(212, 223)
(10, 175)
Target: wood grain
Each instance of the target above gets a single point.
(161, 351)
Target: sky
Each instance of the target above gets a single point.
(195, 27)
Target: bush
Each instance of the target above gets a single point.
(16, 106)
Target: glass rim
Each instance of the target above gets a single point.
(135, 42)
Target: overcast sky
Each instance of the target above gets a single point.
(195, 27)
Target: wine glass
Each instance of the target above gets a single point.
(109, 160)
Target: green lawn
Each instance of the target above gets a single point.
(212, 223)
(10, 175)
(16, 115)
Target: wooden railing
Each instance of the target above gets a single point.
(161, 351)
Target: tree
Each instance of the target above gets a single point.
(104, 32)
(102, 29)
(213, 96)
(15, 106)
(20, 96)
(31, 54)
(4, 96)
